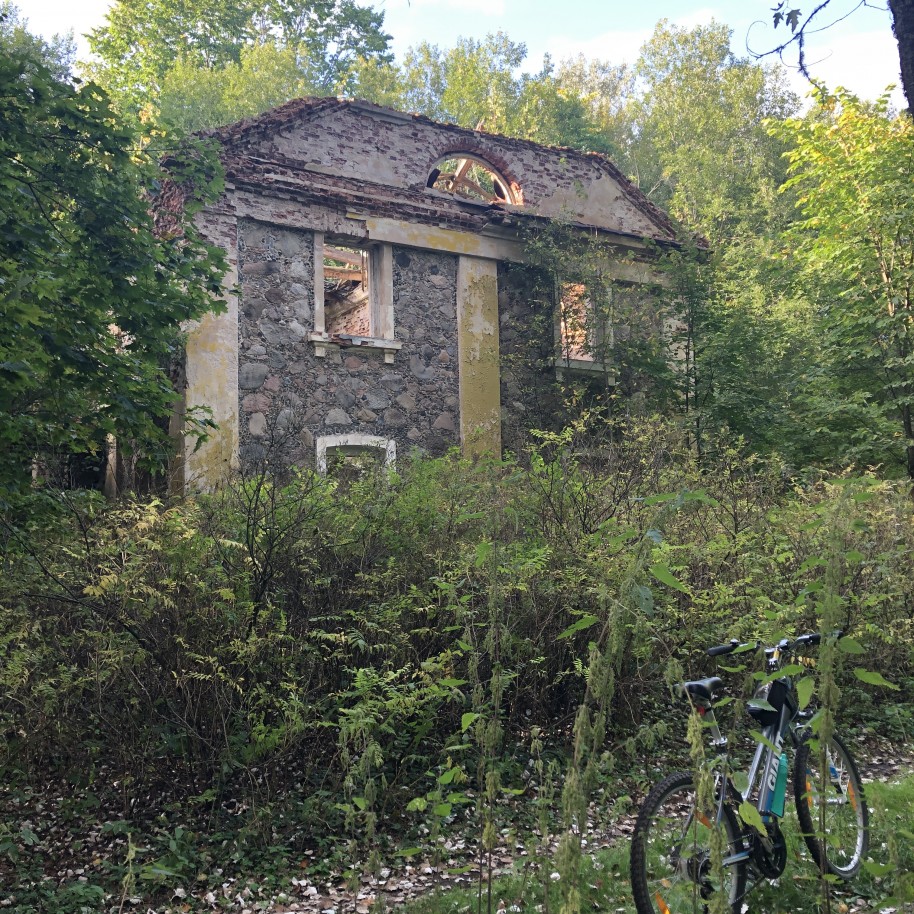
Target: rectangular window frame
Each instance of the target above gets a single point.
(603, 342)
(380, 301)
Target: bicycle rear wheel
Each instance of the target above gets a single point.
(841, 803)
(671, 868)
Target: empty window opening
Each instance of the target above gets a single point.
(349, 465)
(347, 457)
(583, 328)
(347, 298)
(577, 329)
(470, 178)
(353, 296)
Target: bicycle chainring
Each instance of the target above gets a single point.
(771, 863)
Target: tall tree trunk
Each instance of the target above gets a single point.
(903, 26)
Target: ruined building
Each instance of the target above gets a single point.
(376, 300)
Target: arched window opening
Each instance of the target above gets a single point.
(471, 178)
(347, 457)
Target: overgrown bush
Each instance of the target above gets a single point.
(339, 634)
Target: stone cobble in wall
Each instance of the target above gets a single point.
(530, 395)
(289, 397)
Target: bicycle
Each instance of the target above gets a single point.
(671, 863)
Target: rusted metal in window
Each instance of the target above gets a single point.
(471, 178)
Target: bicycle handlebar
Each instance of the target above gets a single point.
(724, 648)
(785, 646)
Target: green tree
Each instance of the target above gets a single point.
(852, 167)
(91, 294)
(330, 36)
(697, 141)
(690, 129)
(605, 89)
(142, 42)
(476, 82)
(547, 112)
(752, 361)
(194, 98)
(469, 83)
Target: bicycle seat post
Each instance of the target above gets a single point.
(701, 693)
(718, 740)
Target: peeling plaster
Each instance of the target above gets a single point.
(478, 354)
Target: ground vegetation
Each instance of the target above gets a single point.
(303, 687)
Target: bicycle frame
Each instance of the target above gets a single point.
(673, 856)
(763, 769)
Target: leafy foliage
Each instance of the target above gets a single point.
(91, 293)
(476, 83)
(238, 623)
(851, 165)
(380, 651)
(194, 98)
(145, 49)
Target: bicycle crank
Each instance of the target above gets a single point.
(770, 855)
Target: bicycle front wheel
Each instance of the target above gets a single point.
(672, 870)
(833, 807)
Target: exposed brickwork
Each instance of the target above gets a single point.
(354, 140)
(355, 322)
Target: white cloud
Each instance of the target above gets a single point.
(408, 21)
(616, 46)
(47, 17)
(701, 16)
(864, 63)
(479, 7)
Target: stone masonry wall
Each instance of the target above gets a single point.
(289, 397)
(530, 396)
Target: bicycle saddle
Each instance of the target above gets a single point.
(704, 688)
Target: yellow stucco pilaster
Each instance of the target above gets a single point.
(212, 381)
(478, 355)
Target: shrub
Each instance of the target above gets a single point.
(301, 628)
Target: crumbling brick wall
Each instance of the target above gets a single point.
(346, 140)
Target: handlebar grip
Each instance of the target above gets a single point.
(816, 637)
(723, 649)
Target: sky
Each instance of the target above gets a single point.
(858, 52)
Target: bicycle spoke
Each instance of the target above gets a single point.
(836, 808)
(677, 855)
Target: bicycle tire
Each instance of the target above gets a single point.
(841, 860)
(652, 871)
